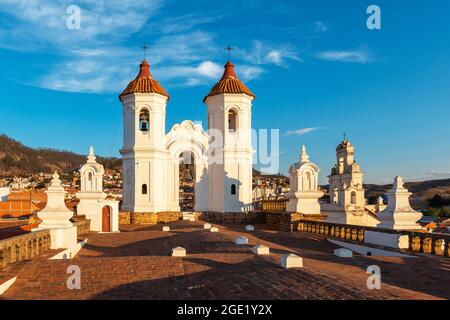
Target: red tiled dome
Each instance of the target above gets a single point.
(144, 83)
(229, 83)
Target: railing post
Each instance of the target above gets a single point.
(361, 235)
(427, 245)
(448, 248)
(439, 247)
(415, 243)
(332, 229)
(354, 234)
(342, 234)
(348, 233)
(2, 258)
(29, 251)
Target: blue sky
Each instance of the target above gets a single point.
(315, 68)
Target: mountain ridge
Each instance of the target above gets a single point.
(16, 159)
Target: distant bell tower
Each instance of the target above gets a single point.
(144, 154)
(346, 179)
(229, 122)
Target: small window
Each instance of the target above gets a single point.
(233, 189)
(144, 121)
(232, 121)
(336, 196)
(144, 189)
(353, 197)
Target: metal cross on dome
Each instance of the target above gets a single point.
(229, 49)
(145, 47)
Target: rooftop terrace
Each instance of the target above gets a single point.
(136, 264)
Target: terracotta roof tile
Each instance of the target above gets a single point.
(229, 83)
(144, 83)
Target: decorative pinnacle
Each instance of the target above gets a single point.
(91, 157)
(304, 157)
(398, 183)
(55, 181)
(380, 200)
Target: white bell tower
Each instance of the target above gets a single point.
(144, 153)
(229, 122)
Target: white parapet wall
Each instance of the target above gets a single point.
(4, 193)
(390, 240)
(63, 238)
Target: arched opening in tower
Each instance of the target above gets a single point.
(187, 182)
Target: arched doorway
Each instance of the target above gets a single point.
(106, 219)
(187, 180)
(188, 185)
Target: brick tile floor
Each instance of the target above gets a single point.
(136, 264)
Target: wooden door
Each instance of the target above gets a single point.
(106, 219)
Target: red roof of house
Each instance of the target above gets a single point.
(229, 84)
(144, 83)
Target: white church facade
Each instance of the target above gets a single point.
(222, 156)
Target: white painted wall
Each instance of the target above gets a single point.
(234, 157)
(4, 193)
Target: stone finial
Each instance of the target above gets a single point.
(399, 215)
(399, 185)
(55, 214)
(380, 201)
(56, 182)
(91, 158)
(304, 157)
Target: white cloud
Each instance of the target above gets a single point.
(209, 69)
(44, 23)
(361, 55)
(264, 53)
(321, 26)
(194, 75)
(247, 72)
(185, 22)
(97, 58)
(303, 131)
(86, 75)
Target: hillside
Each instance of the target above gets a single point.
(421, 189)
(17, 159)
